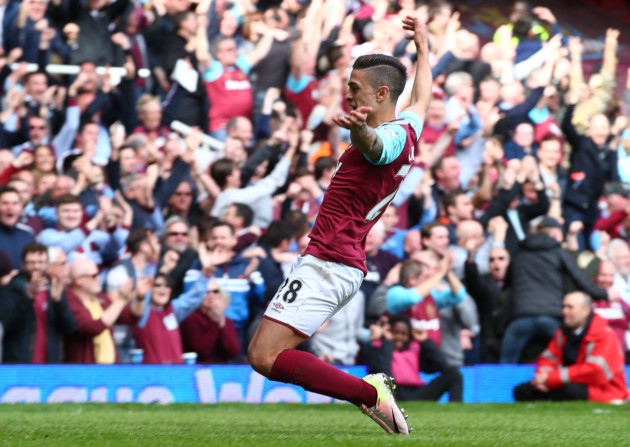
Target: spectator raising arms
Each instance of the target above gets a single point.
(157, 332)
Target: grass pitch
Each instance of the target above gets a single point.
(291, 425)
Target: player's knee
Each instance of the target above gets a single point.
(259, 360)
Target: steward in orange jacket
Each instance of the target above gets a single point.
(583, 360)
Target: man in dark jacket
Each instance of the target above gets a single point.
(94, 19)
(593, 164)
(488, 293)
(537, 278)
(35, 311)
(175, 256)
(13, 235)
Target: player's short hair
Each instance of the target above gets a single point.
(214, 46)
(32, 74)
(146, 99)
(129, 180)
(222, 223)
(390, 72)
(167, 280)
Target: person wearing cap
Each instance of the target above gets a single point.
(537, 276)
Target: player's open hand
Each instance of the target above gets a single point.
(353, 120)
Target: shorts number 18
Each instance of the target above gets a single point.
(293, 288)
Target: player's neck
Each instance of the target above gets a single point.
(379, 117)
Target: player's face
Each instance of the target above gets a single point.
(360, 92)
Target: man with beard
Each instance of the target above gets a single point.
(35, 312)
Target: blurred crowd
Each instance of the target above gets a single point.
(156, 197)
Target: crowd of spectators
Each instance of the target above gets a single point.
(119, 232)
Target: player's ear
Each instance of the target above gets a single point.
(382, 93)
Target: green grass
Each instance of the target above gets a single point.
(291, 425)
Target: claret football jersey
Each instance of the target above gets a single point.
(360, 190)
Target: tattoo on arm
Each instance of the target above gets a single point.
(366, 140)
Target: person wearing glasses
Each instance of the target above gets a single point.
(158, 332)
(208, 331)
(176, 256)
(183, 203)
(96, 314)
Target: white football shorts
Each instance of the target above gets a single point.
(312, 293)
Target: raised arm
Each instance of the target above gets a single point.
(263, 46)
(423, 80)
(202, 51)
(365, 138)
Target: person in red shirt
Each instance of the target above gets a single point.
(583, 360)
(332, 269)
(208, 332)
(226, 77)
(158, 331)
(95, 314)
